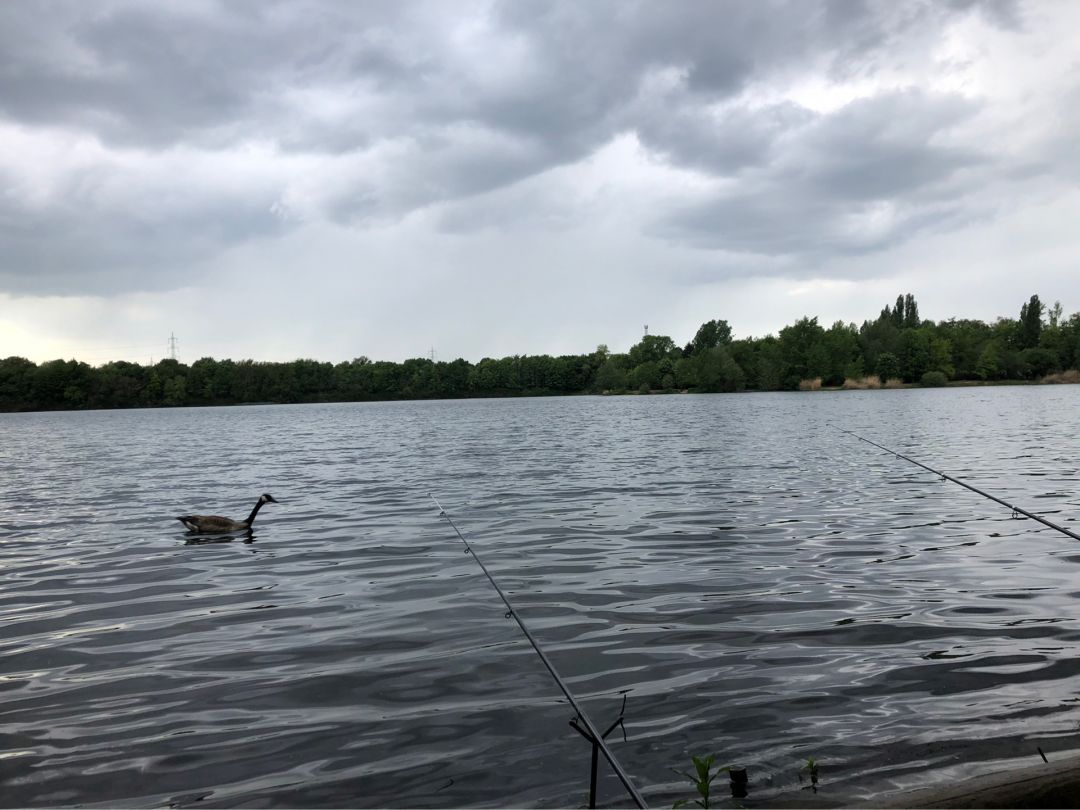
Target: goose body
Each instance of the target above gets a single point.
(215, 524)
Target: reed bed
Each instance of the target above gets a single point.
(862, 383)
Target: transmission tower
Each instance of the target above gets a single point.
(172, 346)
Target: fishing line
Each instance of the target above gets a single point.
(1016, 510)
(511, 613)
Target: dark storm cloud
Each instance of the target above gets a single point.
(170, 73)
(83, 244)
(415, 104)
(161, 74)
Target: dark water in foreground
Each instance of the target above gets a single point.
(759, 584)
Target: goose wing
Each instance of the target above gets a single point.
(209, 523)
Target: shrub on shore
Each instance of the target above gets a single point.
(810, 385)
(933, 379)
(1072, 377)
(861, 383)
(893, 382)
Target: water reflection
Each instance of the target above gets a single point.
(247, 537)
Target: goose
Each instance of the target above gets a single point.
(213, 524)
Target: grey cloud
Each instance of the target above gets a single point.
(126, 76)
(772, 223)
(162, 74)
(866, 177)
(721, 142)
(885, 147)
(80, 245)
(1003, 13)
(539, 85)
(438, 166)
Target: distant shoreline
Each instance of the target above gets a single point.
(898, 349)
(539, 394)
(834, 388)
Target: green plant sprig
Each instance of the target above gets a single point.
(702, 781)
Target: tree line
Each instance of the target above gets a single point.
(896, 346)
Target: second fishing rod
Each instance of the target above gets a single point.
(944, 477)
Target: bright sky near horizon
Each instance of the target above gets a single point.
(275, 180)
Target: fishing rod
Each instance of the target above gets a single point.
(1016, 510)
(589, 731)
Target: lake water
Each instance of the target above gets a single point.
(757, 583)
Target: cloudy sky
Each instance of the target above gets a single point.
(332, 179)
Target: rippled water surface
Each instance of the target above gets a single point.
(759, 584)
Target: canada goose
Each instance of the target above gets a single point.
(213, 524)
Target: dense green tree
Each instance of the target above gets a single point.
(355, 379)
(118, 385)
(653, 349)
(710, 335)
(716, 370)
(911, 313)
(16, 381)
(888, 366)
(1054, 313)
(1054, 340)
(645, 375)
(802, 352)
(966, 339)
(667, 373)
(941, 355)
(646, 357)
(1070, 332)
(769, 364)
(746, 354)
(386, 382)
(611, 376)
(686, 373)
(314, 381)
(200, 381)
(855, 370)
(843, 357)
(1038, 362)
(988, 366)
(1005, 330)
(223, 383)
(61, 384)
(174, 391)
(915, 354)
(878, 337)
(1031, 324)
(416, 379)
(454, 377)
